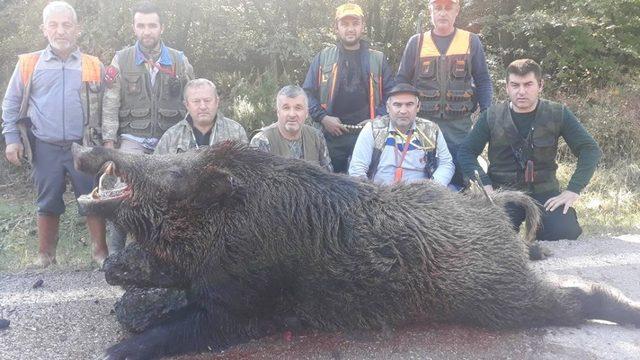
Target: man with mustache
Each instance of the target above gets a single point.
(401, 147)
(290, 137)
(143, 98)
(204, 124)
(347, 84)
(522, 134)
(52, 101)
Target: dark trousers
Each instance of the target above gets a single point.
(340, 150)
(457, 178)
(555, 224)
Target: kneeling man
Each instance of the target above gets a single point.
(400, 146)
(204, 125)
(289, 136)
(522, 134)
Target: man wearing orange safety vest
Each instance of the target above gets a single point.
(52, 101)
(448, 67)
(347, 84)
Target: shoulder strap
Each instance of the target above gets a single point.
(91, 69)
(27, 64)
(379, 129)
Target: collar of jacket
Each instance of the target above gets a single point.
(48, 53)
(164, 59)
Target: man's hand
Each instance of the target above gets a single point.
(333, 125)
(108, 144)
(566, 198)
(488, 189)
(14, 152)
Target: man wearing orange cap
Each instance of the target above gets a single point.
(448, 67)
(347, 84)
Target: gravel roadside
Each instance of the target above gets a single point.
(69, 317)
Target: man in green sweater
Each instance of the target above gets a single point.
(523, 134)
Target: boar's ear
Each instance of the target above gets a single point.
(216, 186)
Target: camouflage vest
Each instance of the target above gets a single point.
(541, 146)
(328, 75)
(444, 80)
(90, 97)
(278, 145)
(426, 131)
(145, 110)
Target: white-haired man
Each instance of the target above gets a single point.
(289, 136)
(51, 102)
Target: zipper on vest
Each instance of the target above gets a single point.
(444, 81)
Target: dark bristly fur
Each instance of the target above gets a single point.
(259, 238)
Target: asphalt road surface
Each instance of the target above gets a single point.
(69, 317)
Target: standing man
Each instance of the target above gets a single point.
(401, 147)
(144, 92)
(289, 136)
(347, 83)
(52, 101)
(448, 66)
(522, 134)
(204, 125)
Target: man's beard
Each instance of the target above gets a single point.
(349, 42)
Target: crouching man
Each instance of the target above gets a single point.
(204, 124)
(289, 136)
(400, 146)
(522, 134)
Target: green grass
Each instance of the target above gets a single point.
(611, 202)
(18, 237)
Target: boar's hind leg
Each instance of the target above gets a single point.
(605, 303)
(571, 304)
(187, 331)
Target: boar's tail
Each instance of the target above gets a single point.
(530, 206)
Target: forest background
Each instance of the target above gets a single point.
(589, 51)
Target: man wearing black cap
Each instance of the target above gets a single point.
(401, 147)
(448, 67)
(346, 84)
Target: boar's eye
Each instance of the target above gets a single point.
(176, 173)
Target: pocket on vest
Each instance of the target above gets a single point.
(133, 84)
(427, 69)
(168, 118)
(544, 149)
(136, 119)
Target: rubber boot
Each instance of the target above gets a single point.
(47, 239)
(97, 232)
(116, 238)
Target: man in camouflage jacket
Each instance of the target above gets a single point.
(204, 125)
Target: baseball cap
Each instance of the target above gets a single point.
(349, 10)
(403, 89)
(444, 1)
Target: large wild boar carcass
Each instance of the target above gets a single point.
(256, 238)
